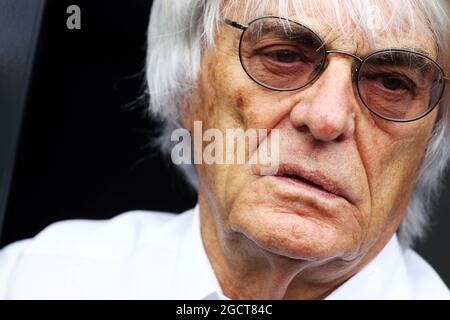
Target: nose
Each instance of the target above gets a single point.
(327, 108)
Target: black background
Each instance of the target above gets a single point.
(85, 148)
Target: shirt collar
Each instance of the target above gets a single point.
(385, 277)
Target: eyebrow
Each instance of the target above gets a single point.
(428, 54)
(402, 59)
(296, 32)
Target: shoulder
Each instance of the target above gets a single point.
(85, 258)
(424, 280)
(100, 238)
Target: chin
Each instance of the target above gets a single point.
(296, 236)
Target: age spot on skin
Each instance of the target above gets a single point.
(239, 110)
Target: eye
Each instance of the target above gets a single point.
(285, 56)
(391, 82)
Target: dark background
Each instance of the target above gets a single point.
(85, 145)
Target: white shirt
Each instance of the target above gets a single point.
(149, 255)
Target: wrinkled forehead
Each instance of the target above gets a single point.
(354, 25)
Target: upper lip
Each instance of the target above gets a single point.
(314, 177)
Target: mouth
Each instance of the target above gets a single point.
(313, 180)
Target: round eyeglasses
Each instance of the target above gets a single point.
(395, 84)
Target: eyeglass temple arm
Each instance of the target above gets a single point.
(233, 24)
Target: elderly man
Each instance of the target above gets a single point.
(353, 90)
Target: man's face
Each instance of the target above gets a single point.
(345, 175)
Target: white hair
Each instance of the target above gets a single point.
(180, 31)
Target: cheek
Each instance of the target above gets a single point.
(225, 98)
(220, 96)
(218, 104)
(391, 159)
(232, 100)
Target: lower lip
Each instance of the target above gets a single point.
(305, 186)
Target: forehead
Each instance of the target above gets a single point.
(354, 25)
